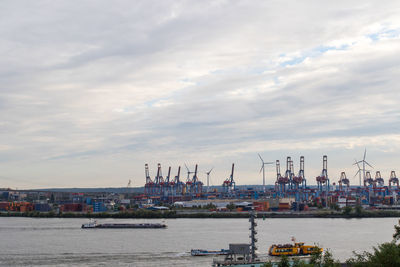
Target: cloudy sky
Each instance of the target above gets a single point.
(90, 91)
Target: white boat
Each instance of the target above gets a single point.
(90, 224)
(203, 252)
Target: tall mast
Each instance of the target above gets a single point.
(253, 234)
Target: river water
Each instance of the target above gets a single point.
(62, 242)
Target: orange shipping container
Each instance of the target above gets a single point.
(284, 206)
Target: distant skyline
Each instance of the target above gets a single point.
(90, 91)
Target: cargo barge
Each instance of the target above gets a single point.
(94, 224)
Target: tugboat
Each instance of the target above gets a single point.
(296, 249)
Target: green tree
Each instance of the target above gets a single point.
(358, 210)
(284, 262)
(268, 264)
(324, 259)
(210, 206)
(385, 255)
(334, 206)
(231, 206)
(347, 210)
(396, 235)
(328, 260)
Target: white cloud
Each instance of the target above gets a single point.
(209, 82)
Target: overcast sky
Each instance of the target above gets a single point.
(90, 91)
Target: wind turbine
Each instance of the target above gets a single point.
(363, 162)
(188, 172)
(263, 169)
(359, 170)
(208, 178)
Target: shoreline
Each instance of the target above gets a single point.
(195, 214)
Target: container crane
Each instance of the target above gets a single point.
(323, 179)
(159, 180)
(393, 180)
(198, 185)
(343, 181)
(149, 186)
(378, 179)
(288, 172)
(278, 175)
(282, 181)
(166, 185)
(178, 184)
(292, 185)
(229, 184)
(368, 179)
(189, 183)
(299, 179)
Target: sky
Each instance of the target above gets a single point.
(90, 91)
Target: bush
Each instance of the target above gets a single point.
(347, 210)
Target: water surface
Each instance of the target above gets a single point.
(61, 242)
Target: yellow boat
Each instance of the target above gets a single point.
(296, 249)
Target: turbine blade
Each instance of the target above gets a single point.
(187, 168)
(262, 167)
(261, 158)
(368, 164)
(365, 153)
(357, 162)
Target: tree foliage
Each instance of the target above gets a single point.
(385, 255)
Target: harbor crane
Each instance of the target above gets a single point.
(189, 183)
(368, 181)
(280, 180)
(343, 181)
(149, 186)
(323, 179)
(263, 169)
(198, 185)
(288, 172)
(193, 186)
(159, 180)
(278, 175)
(300, 179)
(378, 179)
(188, 173)
(229, 184)
(177, 183)
(393, 180)
(166, 184)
